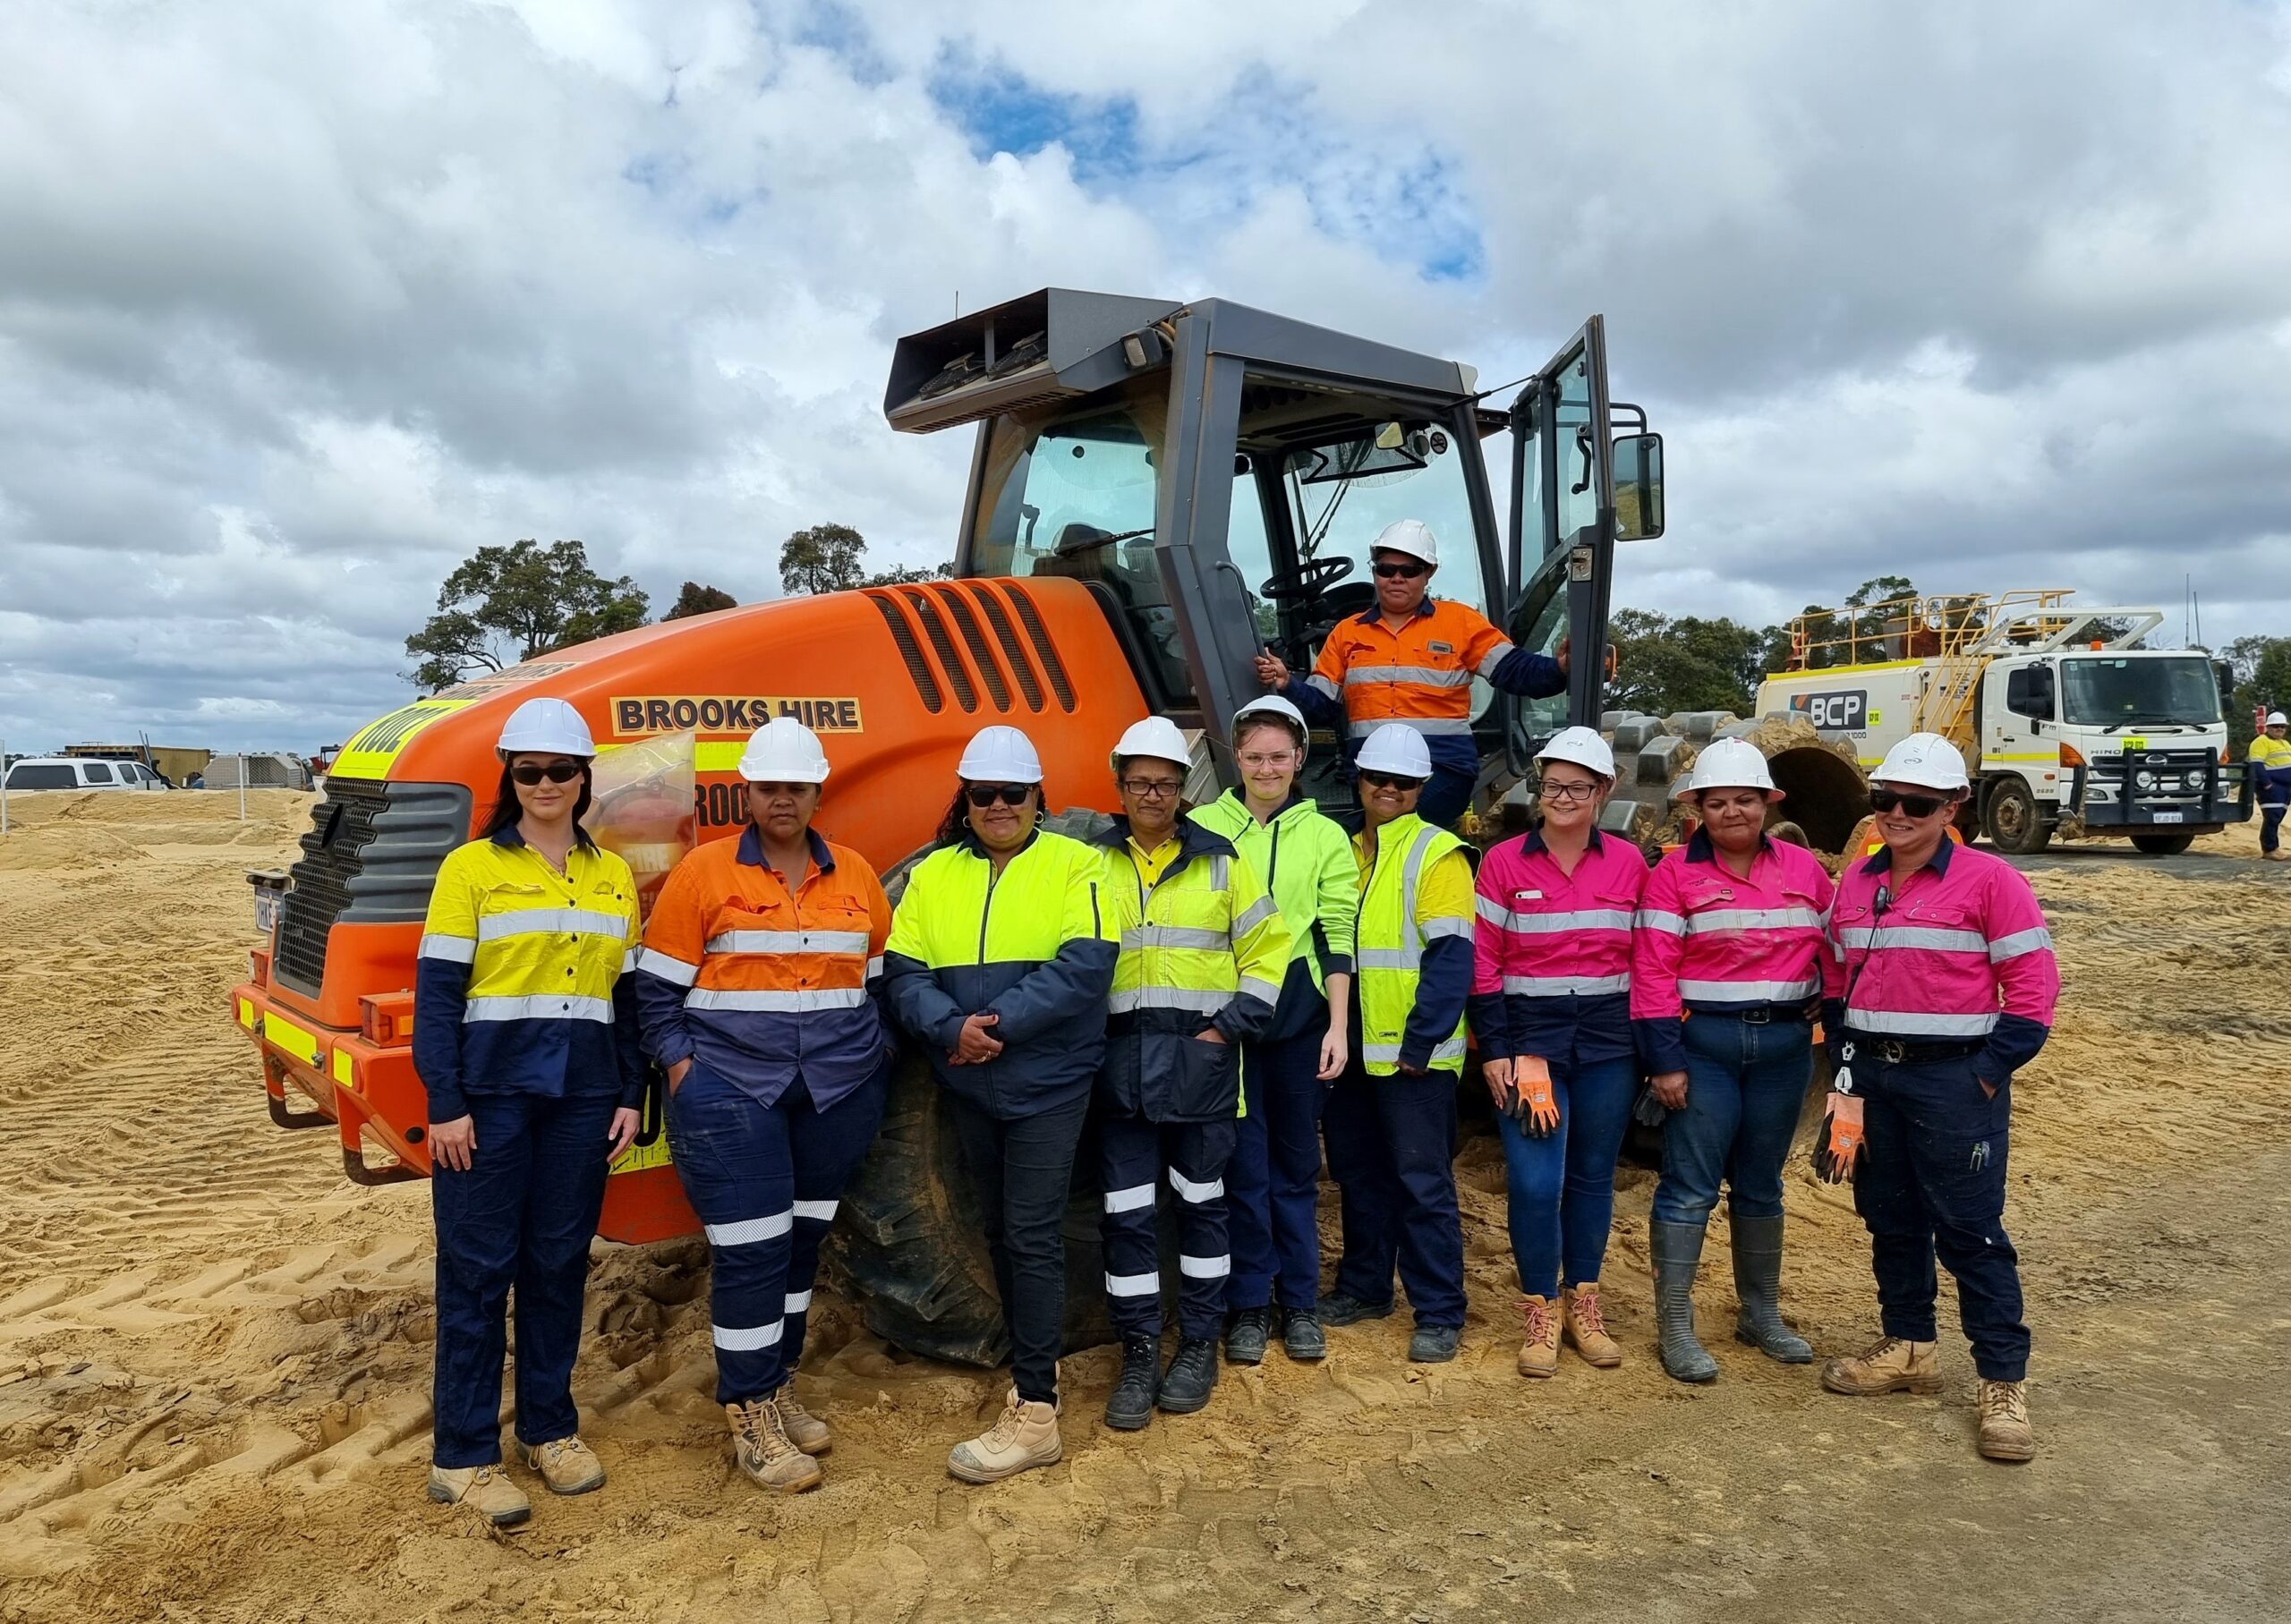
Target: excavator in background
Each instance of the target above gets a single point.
(1159, 491)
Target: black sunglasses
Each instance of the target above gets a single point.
(987, 794)
(530, 773)
(1402, 571)
(1916, 806)
(1389, 780)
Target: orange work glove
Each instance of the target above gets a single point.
(1534, 1108)
(1838, 1153)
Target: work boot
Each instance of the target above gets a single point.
(1345, 1309)
(484, 1490)
(564, 1464)
(1434, 1344)
(1758, 1282)
(1130, 1405)
(765, 1453)
(1539, 1354)
(1025, 1436)
(1582, 1322)
(2005, 1434)
(1301, 1337)
(1894, 1364)
(1246, 1335)
(805, 1431)
(1192, 1375)
(1677, 1250)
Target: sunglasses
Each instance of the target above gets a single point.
(1389, 780)
(987, 794)
(1402, 571)
(1916, 806)
(530, 773)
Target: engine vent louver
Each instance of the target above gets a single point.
(919, 668)
(1031, 618)
(935, 628)
(1004, 633)
(990, 672)
(991, 605)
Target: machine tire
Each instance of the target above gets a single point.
(910, 1249)
(2011, 820)
(2162, 846)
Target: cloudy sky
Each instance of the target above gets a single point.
(301, 303)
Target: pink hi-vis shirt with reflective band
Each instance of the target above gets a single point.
(1709, 938)
(1961, 952)
(1542, 931)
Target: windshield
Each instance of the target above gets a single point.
(2121, 691)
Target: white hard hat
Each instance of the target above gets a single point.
(1923, 759)
(2275, 719)
(1396, 748)
(1156, 736)
(1730, 764)
(1270, 704)
(1001, 756)
(783, 751)
(546, 726)
(1581, 745)
(1413, 536)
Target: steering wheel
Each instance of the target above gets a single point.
(1310, 579)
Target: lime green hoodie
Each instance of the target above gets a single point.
(1308, 863)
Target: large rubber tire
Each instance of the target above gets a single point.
(2162, 846)
(2012, 820)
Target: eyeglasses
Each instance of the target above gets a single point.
(1568, 792)
(1152, 789)
(1255, 760)
(1389, 780)
(1916, 806)
(1402, 571)
(530, 773)
(987, 794)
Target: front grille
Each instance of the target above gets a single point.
(370, 857)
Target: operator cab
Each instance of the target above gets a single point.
(1215, 476)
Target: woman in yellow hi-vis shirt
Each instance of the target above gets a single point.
(524, 1035)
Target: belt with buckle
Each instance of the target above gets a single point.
(1894, 1051)
(1756, 1014)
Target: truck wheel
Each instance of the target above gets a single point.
(2011, 819)
(2162, 846)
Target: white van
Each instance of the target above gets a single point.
(80, 772)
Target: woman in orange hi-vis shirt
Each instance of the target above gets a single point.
(757, 989)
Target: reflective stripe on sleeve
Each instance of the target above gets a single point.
(1258, 913)
(799, 1003)
(1744, 993)
(2018, 943)
(1495, 657)
(629, 961)
(653, 961)
(543, 1007)
(544, 922)
(876, 968)
(1908, 1024)
(1322, 685)
(451, 949)
(750, 1231)
(1434, 930)
(788, 942)
(1129, 1200)
(1253, 986)
(1552, 986)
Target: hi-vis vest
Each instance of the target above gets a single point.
(1207, 931)
(1390, 944)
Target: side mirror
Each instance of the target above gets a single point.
(2224, 675)
(1638, 487)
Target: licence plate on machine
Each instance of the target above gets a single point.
(2165, 817)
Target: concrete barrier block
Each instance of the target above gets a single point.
(1634, 729)
(1609, 720)
(1698, 725)
(1663, 759)
(1736, 730)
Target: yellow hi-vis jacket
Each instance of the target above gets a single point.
(1202, 945)
(1413, 946)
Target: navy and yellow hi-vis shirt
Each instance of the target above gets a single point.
(520, 986)
(1032, 946)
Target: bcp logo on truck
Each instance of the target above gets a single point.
(1845, 712)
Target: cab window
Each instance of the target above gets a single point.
(97, 772)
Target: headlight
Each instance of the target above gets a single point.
(2146, 780)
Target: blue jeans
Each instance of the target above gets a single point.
(1745, 1087)
(521, 1215)
(1273, 1182)
(2270, 827)
(1562, 1187)
(766, 1180)
(1392, 1150)
(1932, 1183)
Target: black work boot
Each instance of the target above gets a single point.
(1301, 1337)
(1192, 1376)
(1345, 1309)
(1246, 1335)
(1130, 1405)
(1434, 1344)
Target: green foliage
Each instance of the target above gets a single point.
(1686, 664)
(2262, 668)
(824, 558)
(509, 604)
(698, 600)
(901, 576)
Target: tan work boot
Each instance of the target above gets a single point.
(805, 1431)
(566, 1465)
(2005, 1434)
(1025, 1436)
(484, 1490)
(1581, 1323)
(1892, 1365)
(765, 1453)
(1539, 1354)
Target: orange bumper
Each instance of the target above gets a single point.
(315, 1075)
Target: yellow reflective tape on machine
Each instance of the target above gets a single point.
(718, 755)
(344, 1072)
(2052, 756)
(291, 1038)
(368, 754)
(246, 1015)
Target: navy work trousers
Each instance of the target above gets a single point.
(1561, 1186)
(1931, 1184)
(1023, 1170)
(521, 1216)
(766, 1180)
(1132, 1154)
(1745, 1087)
(1272, 1184)
(2270, 827)
(1392, 1150)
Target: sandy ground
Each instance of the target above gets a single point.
(214, 1352)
